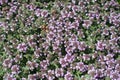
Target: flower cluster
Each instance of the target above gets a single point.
(60, 40)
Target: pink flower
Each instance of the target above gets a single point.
(50, 36)
(68, 76)
(86, 57)
(80, 66)
(7, 63)
(31, 77)
(87, 23)
(15, 69)
(32, 65)
(50, 75)
(82, 46)
(44, 13)
(59, 72)
(69, 58)
(22, 47)
(9, 77)
(105, 32)
(3, 1)
(44, 64)
(38, 12)
(75, 8)
(100, 45)
(63, 62)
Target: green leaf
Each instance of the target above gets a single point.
(107, 78)
(87, 77)
(61, 78)
(118, 1)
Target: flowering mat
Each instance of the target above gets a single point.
(59, 40)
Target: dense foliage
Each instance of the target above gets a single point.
(59, 40)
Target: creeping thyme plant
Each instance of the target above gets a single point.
(59, 40)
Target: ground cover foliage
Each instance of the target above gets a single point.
(59, 40)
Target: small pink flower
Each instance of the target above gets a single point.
(44, 64)
(59, 72)
(75, 8)
(31, 77)
(69, 58)
(7, 63)
(105, 32)
(87, 23)
(22, 47)
(32, 65)
(44, 13)
(15, 69)
(3, 1)
(63, 62)
(82, 46)
(80, 66)
(38, 12)
(50, 75)
(86, 57)
(68, 76)
(100, 45)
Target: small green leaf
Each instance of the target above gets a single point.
(61, 79)
(107, 78)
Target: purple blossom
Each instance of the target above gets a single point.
(117, 68)
(75, 8)
(31, 77)
(70, 14)
(7, 63)
(68, 76)
(63, 62)
(31, 7)
(75, 25)
(50, 36)
(59, 72)
(44, 13)
(3, 1)
(105, 32)
(100, 46)
(45, 45)
(110, 63)
(15, 69)
(37, 53)
(80, 33)
(38, 12)
(22, 47)
(24, 79)
(114, 76)
(69, 58)
(109, 57)
(13, 9)
(64, 14)
(82, 4)
(92, 72)
(99, 74)
(75, 44)
(82, 46)
(80, 66)
(9, 77)
(50, 75)
(44, 64)
(86, 57)
(69, 49)
(73, 38)
(108, 72)
(87, 23)
(18, 58)
(32, 65)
